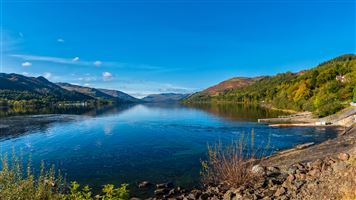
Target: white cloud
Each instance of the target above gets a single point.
(87, 78)
(98, 63)
(47, 75)
(107, 76)
(86, 84)
(60, 40)
(25, 73)
(26, 64)
(75, 59)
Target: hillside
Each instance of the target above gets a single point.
(323, 90)
(100, 94)
(164, 97)
(14, 87)
(223, 87)
(120, 95)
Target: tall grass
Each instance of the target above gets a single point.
(19, 182)
(231, 165)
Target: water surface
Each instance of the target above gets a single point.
(133, 143)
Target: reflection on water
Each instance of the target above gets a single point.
(141, 142)
(238, 112)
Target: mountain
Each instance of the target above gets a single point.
(120, 95)
(19, 87)
(101, 94)
(164, 97)
(230, 84)
(324, 89)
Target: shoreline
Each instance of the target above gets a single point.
(301, 172)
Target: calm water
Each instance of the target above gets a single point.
(140, 142)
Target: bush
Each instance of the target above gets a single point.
(48, 185)
(231, 166)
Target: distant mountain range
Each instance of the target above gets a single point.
(324, 89)
(16, 87)
(100, 94)
(19, 87)
(165, 97)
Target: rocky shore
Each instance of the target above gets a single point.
(323, 171)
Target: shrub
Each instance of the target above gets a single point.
(231, 166)
(48, 185)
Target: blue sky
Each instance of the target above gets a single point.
(155, 46)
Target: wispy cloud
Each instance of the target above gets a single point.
(47, 75)
(57, 60)
(107, 76)
(98, 63)
(174, 89)
(26, 64)
(60, 40)
(75, 59)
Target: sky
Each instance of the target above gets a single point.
(182, 46)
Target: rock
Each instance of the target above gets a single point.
(312, 185)
(280, 191)
(314, 172)
(298, 184)
(344, 156)
(228, 195)
(289, 185)
(290, 177)
(134, 198)
(292, 170)
(317, 164)
(273, 171)
(204, 196)
(268, 193)
(171, 192)
(194, 194)
(144, 184)
(339, 166)
(301, 176)
(303, 146)
(164, 185)
(300, 166)
(258, 170)
(160, 191)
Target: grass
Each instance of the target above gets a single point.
(19, 182)
(231, 165)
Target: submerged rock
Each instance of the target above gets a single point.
(144, 184)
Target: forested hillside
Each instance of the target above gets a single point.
(19, 89)
(323, 90)
(16, 89)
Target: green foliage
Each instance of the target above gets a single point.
(323, 90)
(109, 192)
(17, 183)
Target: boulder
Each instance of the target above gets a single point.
(258, 170)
